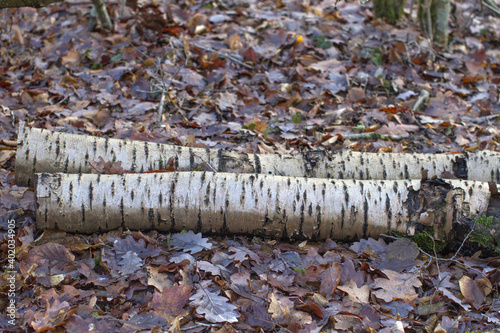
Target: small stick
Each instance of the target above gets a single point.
(209, 49)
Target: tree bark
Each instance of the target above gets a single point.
(102, 13)
(389, 9)
(434, 18)
(442, 22)
(26, 3)
(46, 151)
(269, 206)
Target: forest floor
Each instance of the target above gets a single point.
(259, 77)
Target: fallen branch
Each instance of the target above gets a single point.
(46, 151)
(270, 206)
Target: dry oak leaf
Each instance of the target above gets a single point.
(170, 303)
(107, 168)
(400, 286)
(227, 101)
(129, 263)
(215, 308)
(190, 242)
(398, 129)
(242, 254)
(357, 295)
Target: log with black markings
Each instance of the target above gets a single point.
(271, 206)
(47, 151)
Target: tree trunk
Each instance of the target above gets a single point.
(45, 151)
(442, 20)
(26, 3)
(434, 17)
(389, 9)
(269, 206)
(102, 13)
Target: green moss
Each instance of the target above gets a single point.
(322, 43)
(375, 55)
(97, 261)
(486, 233)
(426, 243)
(297, 118)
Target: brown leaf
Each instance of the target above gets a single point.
(250, 55)
(398, 286)
(330, 280)
(159, 280)
(398, 129)
(155, 22)
(101, 117)
(170, 303)
(50, 259)
(473, 295)
(131, 4)
(234, 42)
(356, 95)
(402, 249)
(72, 59)
(358, 295)
(106, 168)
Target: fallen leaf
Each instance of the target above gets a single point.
(397, 286)
(473, 295)
(171, 301)
(357, 295)
(215, 308)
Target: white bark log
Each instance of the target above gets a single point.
(45, 151)
(271, 206)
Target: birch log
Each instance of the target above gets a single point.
(270, 206)
(46, 151)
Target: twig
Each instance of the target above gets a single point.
(465, 239)
(421, 104)
(160, 108)
(230, 57)
(164, 88)
(372, 136)
(492, 6)
(435, 257)
(208, 164)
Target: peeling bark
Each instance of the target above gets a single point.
(45, 151)
(269, 206)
